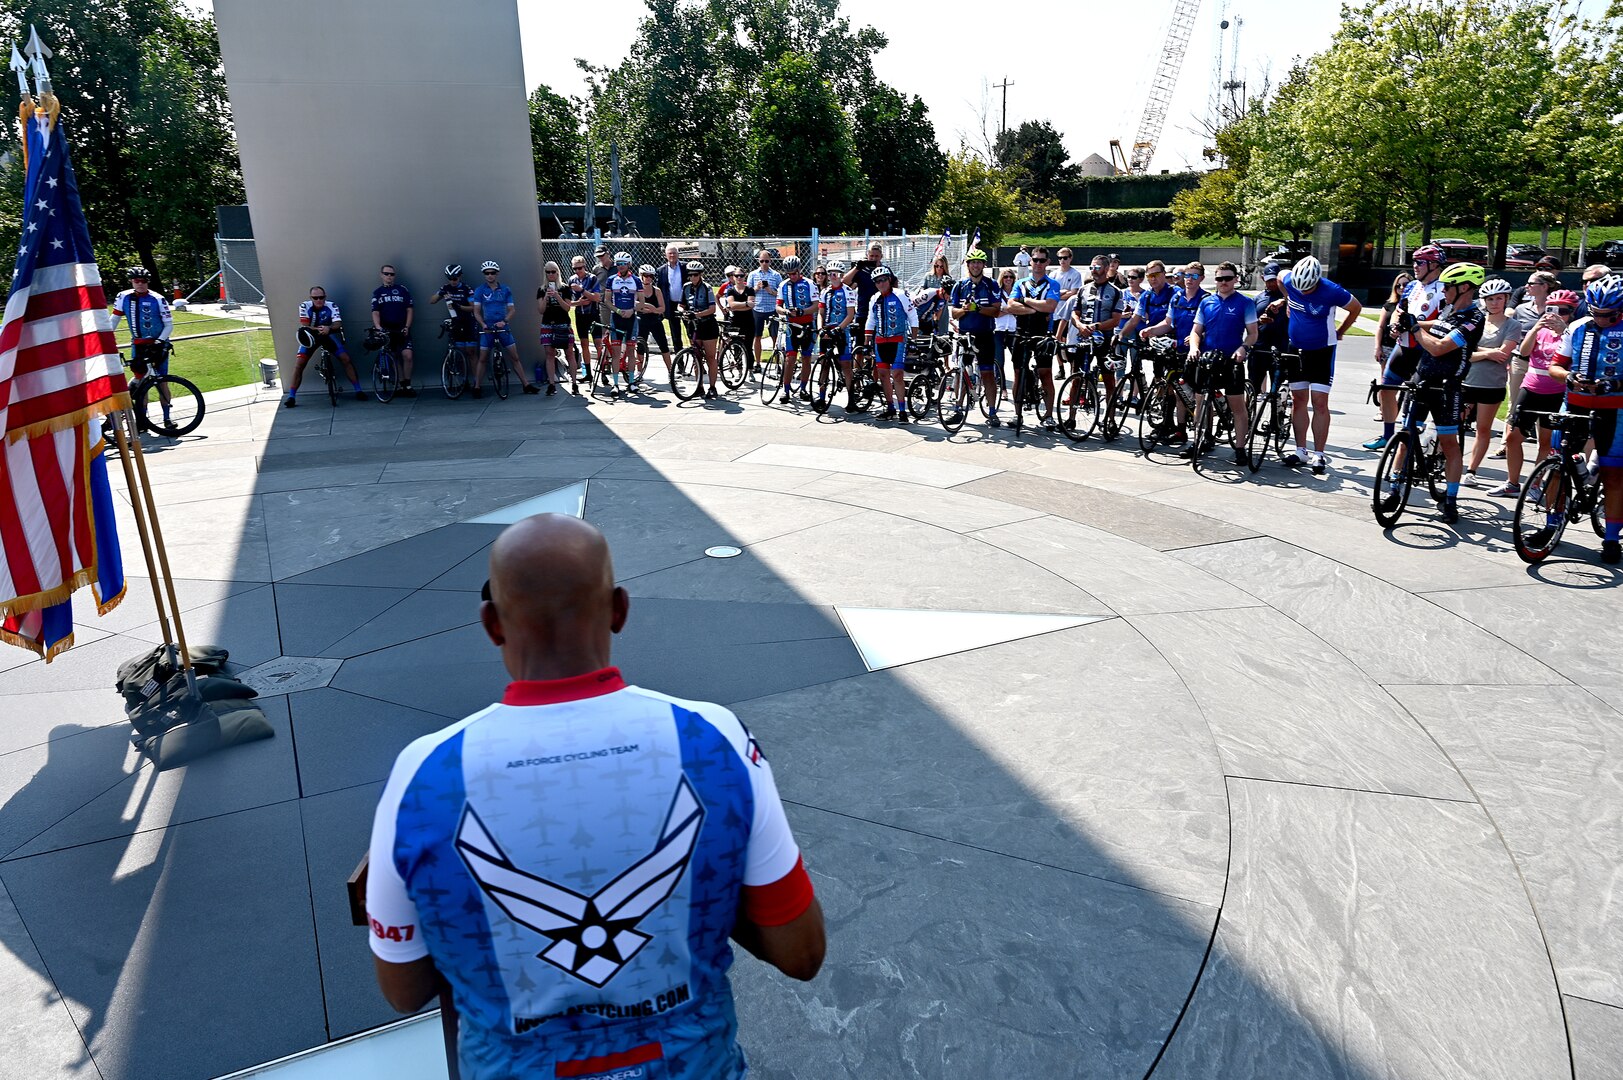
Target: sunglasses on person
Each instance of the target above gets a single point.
(1603, 313)
(1135, 277)
(1039, 262)
(490, 273)
(387, 273)
(318, 296)
(1225, 277)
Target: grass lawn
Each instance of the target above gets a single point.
(1093, 243)
(1358, 331)
(213, 363)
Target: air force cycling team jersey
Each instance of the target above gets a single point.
(148, 316)
(1313, 314)
(391, 302)
(573, 860)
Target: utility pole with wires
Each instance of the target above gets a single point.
(1003, 121)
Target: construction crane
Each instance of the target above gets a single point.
(1167, 68)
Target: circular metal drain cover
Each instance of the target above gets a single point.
(723, 551)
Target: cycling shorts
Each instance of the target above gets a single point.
(1025, 351)
(1400, 367)
(144, 354)
(1532, 412)
(399, 339)
(766, 322)
(835, 343)
(331, 343)
(586, 324)
(800, 338)
(555, 335)
(1316, 371)
(1438, 403)
(706, 329)
(1608, 436)
(890, 354)
(464, 332)
(622, 327)
(1482, 395)
(985, 348)
(655, 328)
(504, 338)
(1226, 376)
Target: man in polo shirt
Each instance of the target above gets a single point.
(573, 860)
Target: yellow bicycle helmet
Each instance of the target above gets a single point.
(1464, 274)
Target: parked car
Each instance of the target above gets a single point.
(1611, 252)
(1522, 256)
(1460, 251)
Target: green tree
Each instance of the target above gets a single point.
(975, 194)
(897, 149)
(800, 153)
(148, 121)
(556, 142)
(1035, 154)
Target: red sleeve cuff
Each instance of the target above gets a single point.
(783, 901)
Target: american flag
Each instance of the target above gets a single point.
(59, 373)
(941, 244)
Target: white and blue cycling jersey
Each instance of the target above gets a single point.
(838, 302)
(574, 860)
(325, 315)
(797, 295)
(622, 290)
(1313, 315)
(890, 316)
(492, 301)
(148, 316)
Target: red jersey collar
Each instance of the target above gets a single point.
(555, 691)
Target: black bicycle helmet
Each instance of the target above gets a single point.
(453, 269)
(139, 272)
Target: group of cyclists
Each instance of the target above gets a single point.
(854, 331)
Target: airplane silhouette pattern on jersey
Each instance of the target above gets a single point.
(593, 937)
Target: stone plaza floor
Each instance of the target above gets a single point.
(1233, 785)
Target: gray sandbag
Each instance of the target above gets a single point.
(153, 666)
(209, 687)
(217, 725)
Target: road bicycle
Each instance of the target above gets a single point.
(1271, 408)
(924, 388)
(828, 377)
(180, 402)
(454, 368)
(1411, 457)
(1130, 386)
(1214, 418)
(961, 387)
(689, 369)
(733, 356)
(1082, 404)
(1561, 489)
(1028, 393)
(385, 372)
(501, 375)
(1168, 390)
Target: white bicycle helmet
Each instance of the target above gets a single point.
(1495, 287)
(622, 258)
(645, 270)
(1307, 274)
(882, 271)
(489, 264)
(835, 266)
(695, 267)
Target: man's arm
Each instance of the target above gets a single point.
(407, 987)
(796, 948)
(1354, 309)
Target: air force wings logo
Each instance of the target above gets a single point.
(593, 937)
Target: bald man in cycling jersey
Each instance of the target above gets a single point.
(573, 859)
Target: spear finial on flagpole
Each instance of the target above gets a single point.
(37, 52)
(20, 66)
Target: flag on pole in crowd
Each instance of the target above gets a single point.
(60, 372)
(975, 243)
(941, 245)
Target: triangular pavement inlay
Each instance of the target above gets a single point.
(569, 500)
(889, 638)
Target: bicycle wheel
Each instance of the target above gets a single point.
(1540, 521)
(500, 377)
(825, 382)
(1077, 406)
(330, 377)
(921, 395)
(952, 403)
(1393, 482)
(734, 365)
(383, 376)
(989, 402)
(1203, 435)
(1436, 480)
(1282, 412)
(454, 373)
(185, 409)
(1597, 512)
(685, 368)
(771, 377)
(1119, 408)
(603, 384)
(1264, 414)
(1154, 415)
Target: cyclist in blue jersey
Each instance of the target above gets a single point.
(765, 281)
(890, 319)
(976, 303)
(574, 859)
(392, 313)
(839, 312)
(860, 278)
(493, 311)
(1153, 302)
(150, 322)
(456, 295)
(327, 327)
(1032, 303)
(1226, 323)
(621, 292)
(1177, 324)
(1314, 300)
(1590, 361)
(798, 299)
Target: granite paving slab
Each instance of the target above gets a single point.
(92, 666)
(960, 509)
(725, 473)
(452, 673)
(1112, 774)
(1597, 1039)
(312, 617)
(418, 615)
(1545, 762)
(949, 961)
(256, 774)
(826, 564)
(1152, 525)
(172, 911)
(1283, 705)
(1369, 936)
(286, 457)
(37, 1034)
(217, 538)
(562, 466)
(1392, 635)
(136, 609)
(32, 719)
(410, 563)
(1127, 577)
(244, 623)
(344, 739)
(941, 474)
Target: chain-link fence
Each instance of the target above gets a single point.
(239, 271)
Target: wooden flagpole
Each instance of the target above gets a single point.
(129, 449)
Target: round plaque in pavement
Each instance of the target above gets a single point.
(723, 551)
